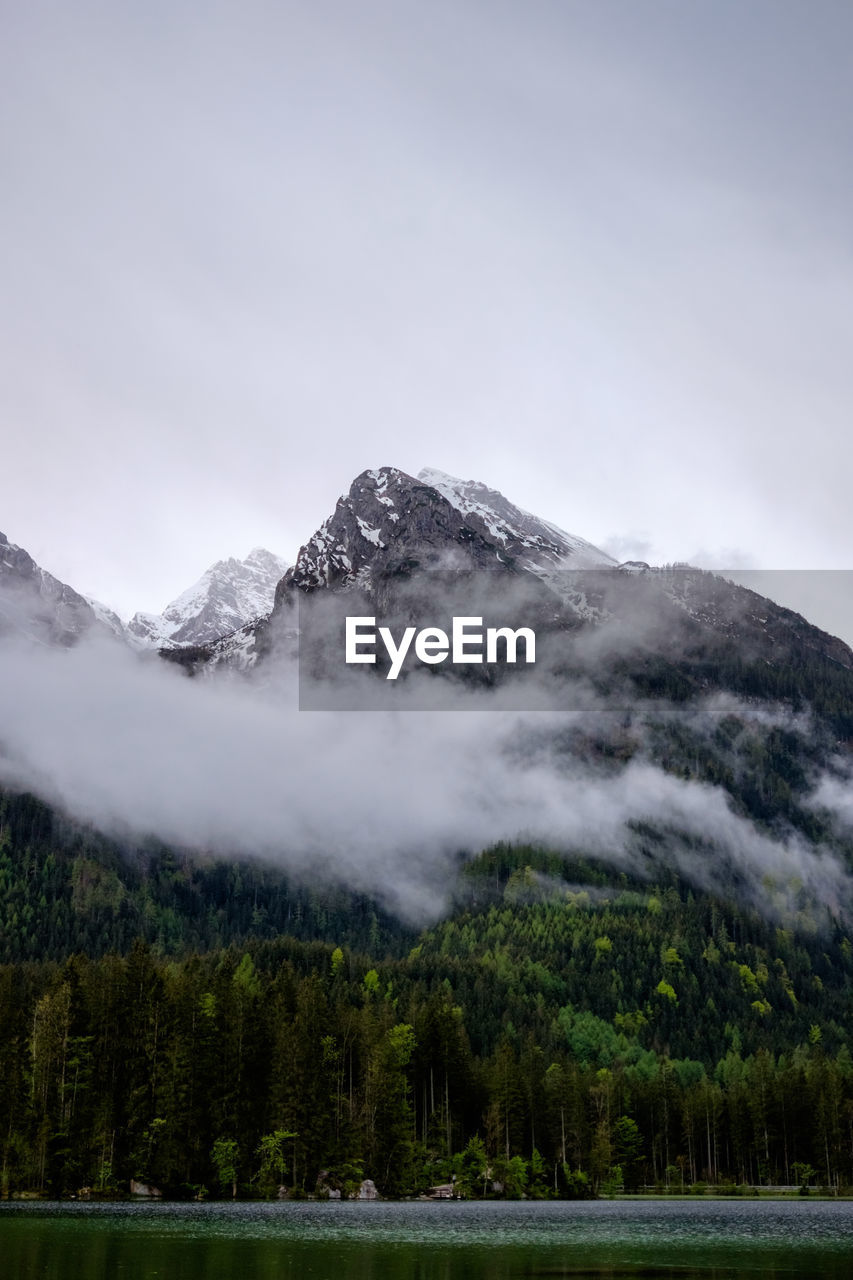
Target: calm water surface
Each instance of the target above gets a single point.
(613, 1240)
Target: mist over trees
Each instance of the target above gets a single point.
(650, 988)
(565, 1032)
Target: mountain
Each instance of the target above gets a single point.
(393, 523)
(657, 673)
(652, 988)
(391, 530)
(108, 618)
(386, 529)
(532, 542)
(651, 646)
(36, 605)
(674, 669)
(229, 595)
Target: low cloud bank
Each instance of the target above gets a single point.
(383, 801)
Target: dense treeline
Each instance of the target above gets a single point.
(65, 889)
(561, 1034)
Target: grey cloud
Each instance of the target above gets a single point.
(628, 546)
(834, 794)
(383, 801)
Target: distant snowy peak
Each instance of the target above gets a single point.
(230, 594)
(536, 542)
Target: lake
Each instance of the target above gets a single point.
(713, 1239)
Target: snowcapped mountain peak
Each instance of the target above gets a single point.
(441, 480)
(538, 543)
(389, 522)
(264, 560)
(228, 595)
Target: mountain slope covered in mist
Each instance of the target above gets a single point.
(516, 914)
(657, 674)
(600, 936)
(66, 889)
(392, 530)
(564, 1032)
(35, 606)
(678, 704)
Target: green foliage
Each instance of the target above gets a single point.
(346, 1177)
(537, 1177)
(612, 1182)
(224, 1156)
(511, 1175)
(371, 983)
(533, 1046)
(273, 1154)
(803, 1174)
(590, 1040)
(628, 1150)
(471, 1167)
(576, 1183)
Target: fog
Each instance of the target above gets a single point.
(383, 801)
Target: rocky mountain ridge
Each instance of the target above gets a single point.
(390, 522)
(230, 594)
(659, 673)
(532, 542)
(390, 527)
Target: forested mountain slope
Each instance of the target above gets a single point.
(646, 981)
(66, 889)
(560, 1032)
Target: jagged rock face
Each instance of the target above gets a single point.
(36, 605)
(387, 523)
(231, 594)
(390, 526)
(391, 523)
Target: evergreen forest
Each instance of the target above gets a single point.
(567, 1030)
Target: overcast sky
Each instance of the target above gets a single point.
(595, 254)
